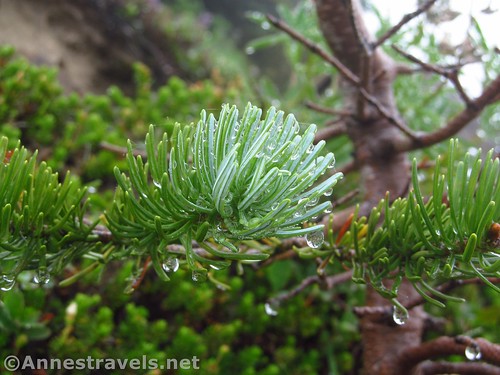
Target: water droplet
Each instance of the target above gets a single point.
(473, 352)
(332, 164)
(199, 275)
(259, 154)
(328, 193)
(7, 282)
(328, 210)
(310, 149)
(272, 307)
(274, 206)
(399, 315)
(171, 264)
(315, 239)
(42, 276)
(313, 201)
(294, 156)
(271, 145)
(265, 25)
(157, 184)
(222, 287)
(129, 289)
(250, 50)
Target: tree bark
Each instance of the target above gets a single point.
(383, 169)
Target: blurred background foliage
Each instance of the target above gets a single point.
(228, 329)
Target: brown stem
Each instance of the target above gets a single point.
(449, 74)
(346, 73)
(330, 132)
(461, 368)
(446, 346)
(329, 111)
(326, 282)
(490, 95)
(407, 18)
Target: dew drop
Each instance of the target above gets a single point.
(227, 211)
(272, 307)
(171, 264)
(315, 239)
(228, 197)
(332, 164)
(7, 282)
(313, 201)
(328, 192)
(42, 276)
(328, 210)
(129, 289)
(157, 184)
(199, 276)
(250, 50)
(272, 145)
(310, 149)
(399, 315)
(265, 25)
(473, 352)
(294, 156)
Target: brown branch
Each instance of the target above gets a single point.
(348, 167)
(345, 198)
(449, 74)
(331, 132)
(329, 111)
(365, 58)
(365, 45)
(345, 72)
(461, 368)
(119, 150)
(446, 346)
(407, 18)
(325, 282)
(490, 95)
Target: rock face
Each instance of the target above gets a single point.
(91, 42)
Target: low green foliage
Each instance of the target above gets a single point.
(72, 131)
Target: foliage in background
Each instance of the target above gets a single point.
(68, 130)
